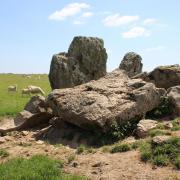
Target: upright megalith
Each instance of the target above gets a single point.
(85, 61)
(131, 63)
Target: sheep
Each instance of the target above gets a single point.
(12, 88)
(35, 90)
(25, 91)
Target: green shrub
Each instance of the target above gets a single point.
(121, 148)
(38, 167)
(122, 130)
(3, 153)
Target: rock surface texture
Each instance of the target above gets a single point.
(144, 126)
(85, 61)
(36, 105)
(174, 96)
(165, 76)
(131, 63)
(97, 104)
(161, 139)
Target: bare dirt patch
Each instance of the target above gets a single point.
(96, 166)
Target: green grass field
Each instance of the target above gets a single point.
(12, 102)
(38, 167)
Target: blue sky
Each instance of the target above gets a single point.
(32, 31)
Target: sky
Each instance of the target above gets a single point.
(32, 31)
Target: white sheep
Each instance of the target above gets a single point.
(25, 91)
(35, 90)
(12, 88)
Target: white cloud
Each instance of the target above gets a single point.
(104, 12)
(157, 48)
(78, 22)
(150, 21)
(87, 15)
(117, 20)
(136, 32)
(69, 10)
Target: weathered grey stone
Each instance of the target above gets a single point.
(168, 125)
(131, 63)
(2, 140)
(97, 104)
(144, 126)
(174, 96)
(25, 120)
(22, 117)
(143, 76)
(85, 61)
(161, 139)
(36, 104)
(165, 76)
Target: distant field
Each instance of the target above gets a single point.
(13, 102)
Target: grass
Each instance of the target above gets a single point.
(71, 158)
(176, 124)
(3, 153)
(37, 167)
(146, 152)
(106, 149)
(11, 103)
(164, 154)
(121, 148)
(137, 143)
(80, 149)
(158, 132)
(84, 149)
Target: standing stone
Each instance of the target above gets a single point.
(131, 63)
(85, 61)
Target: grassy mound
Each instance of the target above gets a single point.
(164, 154)
(38, 167)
